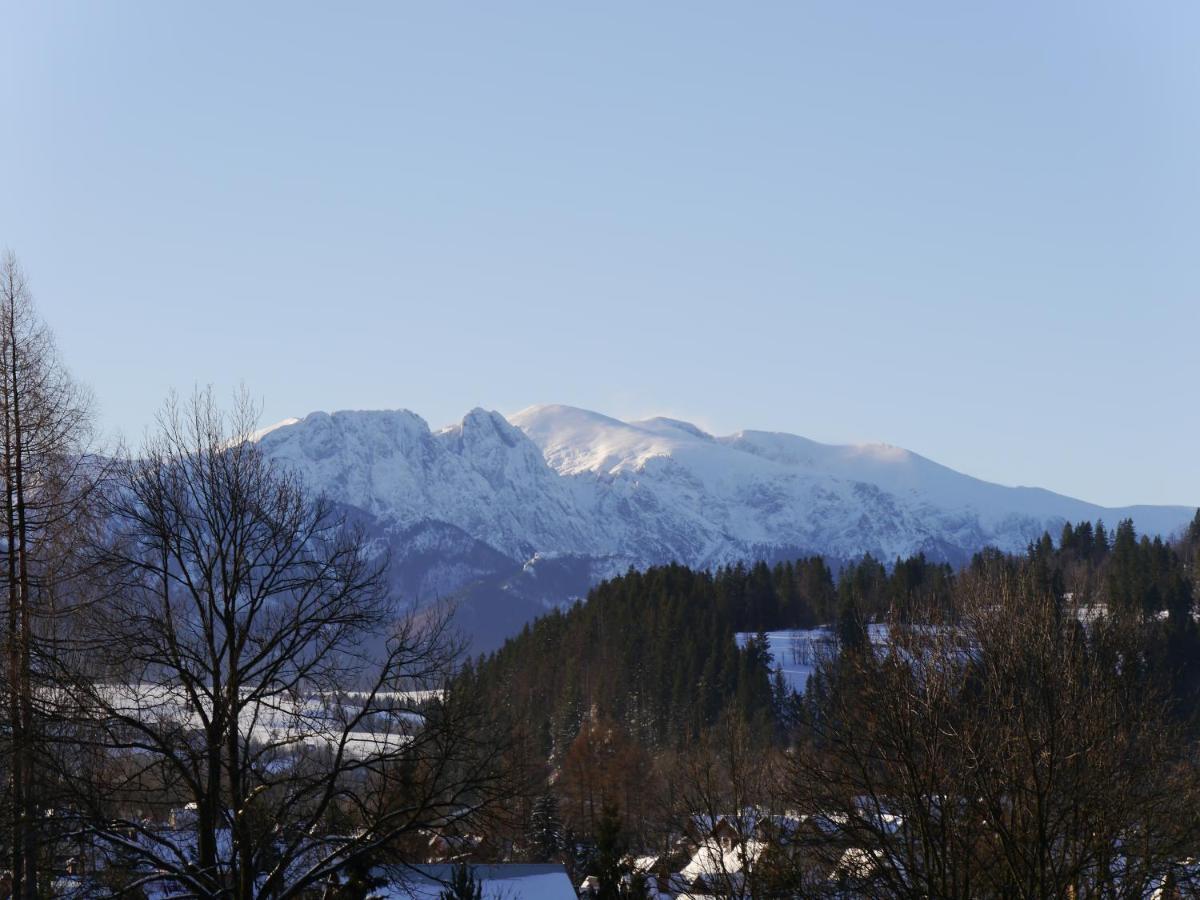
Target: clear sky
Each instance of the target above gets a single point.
(972, 230)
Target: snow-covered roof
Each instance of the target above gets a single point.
(857, 863)
(712, 859)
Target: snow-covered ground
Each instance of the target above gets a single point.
(798, 652)
(316, 721)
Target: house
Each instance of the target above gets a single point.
(723, 830)
(780, 830)
(643, 864)
(701, 827)
(718, 867)
(857, 864)
(498, 882)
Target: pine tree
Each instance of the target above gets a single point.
(783, 700)
(1125, 585)
(1085, 541)
(547, 833)
(1066, 540)
(610, 853)
(851, 629)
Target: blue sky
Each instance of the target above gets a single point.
(966, 229)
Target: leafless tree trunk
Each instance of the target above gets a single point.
(46, 483)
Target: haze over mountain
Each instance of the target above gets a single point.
(512, 515)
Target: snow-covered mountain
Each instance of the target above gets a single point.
(515, 514)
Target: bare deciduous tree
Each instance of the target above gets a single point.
(250, 716)
(1012, 752)
(46, 477)
(728, 787)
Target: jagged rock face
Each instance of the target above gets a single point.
(483, 476)
(488, 505)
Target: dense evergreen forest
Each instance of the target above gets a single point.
(656, 652)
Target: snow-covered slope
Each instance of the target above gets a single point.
(706, 496)
(528, 510)
(482, 476)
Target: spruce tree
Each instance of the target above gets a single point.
(547, 833)
(1101, 543)
(610, 853)
(1124, 575)
(851, 629)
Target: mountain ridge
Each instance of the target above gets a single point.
(527, 511)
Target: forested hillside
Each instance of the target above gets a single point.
(655, 650)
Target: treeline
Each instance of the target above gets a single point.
(1144, 582)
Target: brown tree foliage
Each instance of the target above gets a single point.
(604, 766)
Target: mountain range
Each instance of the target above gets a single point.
(511, 516)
